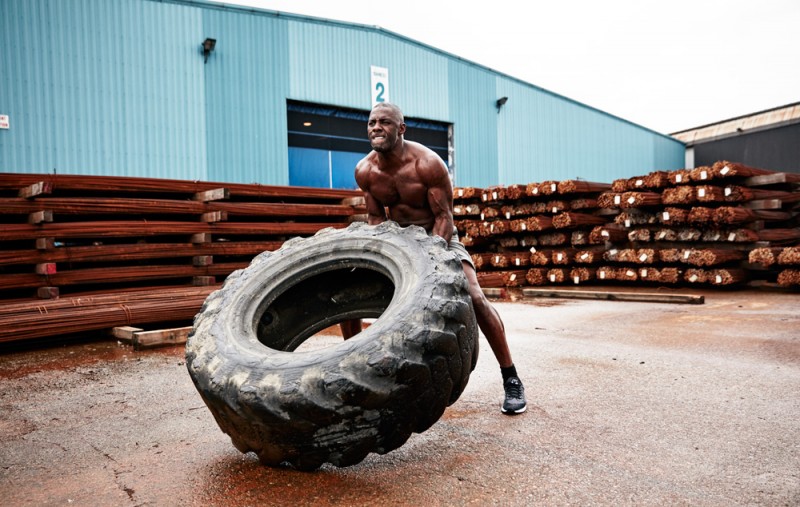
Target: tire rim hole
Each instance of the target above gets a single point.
(320, 301)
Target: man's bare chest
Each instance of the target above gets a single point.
(399, 189)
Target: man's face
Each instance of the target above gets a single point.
(384, 129)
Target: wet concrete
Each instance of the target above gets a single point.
(629, 404)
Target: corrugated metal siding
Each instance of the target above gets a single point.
(120, 87)
(542, 136)
(474, 118)
(247, 82)
(330, 64)
(117, 96)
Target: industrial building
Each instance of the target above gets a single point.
(768, 139)
(194, 90)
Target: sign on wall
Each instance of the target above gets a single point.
(4, 121)
(380, 84)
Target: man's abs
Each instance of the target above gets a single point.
(406, 216)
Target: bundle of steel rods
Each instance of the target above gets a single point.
(697, 225)
(64, 235)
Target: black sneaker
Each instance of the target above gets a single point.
(515, 397)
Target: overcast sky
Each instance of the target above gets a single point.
(668, 65)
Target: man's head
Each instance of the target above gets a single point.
(385, 127)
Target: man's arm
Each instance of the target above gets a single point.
(376, 211)
(440, 196)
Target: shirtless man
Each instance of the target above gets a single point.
(412, 183)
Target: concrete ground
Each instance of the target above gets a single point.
(629, 404)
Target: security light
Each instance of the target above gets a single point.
(501, 102)
(208, 47)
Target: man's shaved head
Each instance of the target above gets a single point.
(393, 108)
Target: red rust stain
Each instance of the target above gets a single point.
(18, 365)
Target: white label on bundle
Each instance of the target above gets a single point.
(639, 183)
(491, 228)
(460, 192)
(719, 278)
(457, 210)
(553, 187)
(630, 273)
(508, 215)
(644, 273)
(553, 278)
(613, 251)
(701, 192)
(576, 280)
(728, 191)
(662, 234)
(617, 199)
(686, 254)
(732, 236)
(693, 278)
(665, 215)
(497, 258)
(517, 260)
(522, 243)
(631, 200)
(483, 217)
(715, 237)
(555, 210)
(725, 170)
(584, 256)
(494, 195)
(535, 190)
(703, 175)
(484, 197)
(533, 249)
(627, 222)
(559, 256)
(524, 227)
(643, 257)
(605, 233)
(602, 275)
(678, 178)
(512, 277)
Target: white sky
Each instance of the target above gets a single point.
(668, 65)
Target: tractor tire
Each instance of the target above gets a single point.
(366, 394)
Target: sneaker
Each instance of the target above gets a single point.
(515, 397)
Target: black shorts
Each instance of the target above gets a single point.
(457, 247)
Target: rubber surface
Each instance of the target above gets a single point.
(366, 394)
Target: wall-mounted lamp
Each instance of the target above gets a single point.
(208, 47)
(501, 102)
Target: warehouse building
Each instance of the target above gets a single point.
(194, 90)
(769, 139)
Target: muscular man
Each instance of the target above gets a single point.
(406, 182)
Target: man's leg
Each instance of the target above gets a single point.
(350, 328)
(491, 325)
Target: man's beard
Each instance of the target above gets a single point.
(381, 148)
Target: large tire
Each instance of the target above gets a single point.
(366, 394)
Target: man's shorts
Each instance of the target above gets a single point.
(460, 250)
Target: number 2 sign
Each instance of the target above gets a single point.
(380, 85)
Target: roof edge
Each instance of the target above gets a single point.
(376, 28)
(769, 118)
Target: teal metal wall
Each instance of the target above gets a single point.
(119, 87)
(247, 83)
(102, 87)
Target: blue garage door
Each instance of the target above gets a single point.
(311, 167)
(326, 143)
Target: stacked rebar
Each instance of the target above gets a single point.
(688, 226)
(708, 220)
(62, 236)
(541, 227)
